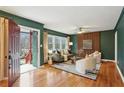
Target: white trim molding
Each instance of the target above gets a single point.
(122, 77)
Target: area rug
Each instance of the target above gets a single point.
(71, 69)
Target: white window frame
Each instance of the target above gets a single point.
(60, 39)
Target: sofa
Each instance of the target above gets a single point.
(88, 63)
(60, 55)
(97, 55)
(57, 58)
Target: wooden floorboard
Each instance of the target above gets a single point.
(4, 83)
(51, 77)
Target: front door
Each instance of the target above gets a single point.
(14, 49)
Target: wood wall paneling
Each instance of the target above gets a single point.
(2, 48)
(45, 44)
(95, 37)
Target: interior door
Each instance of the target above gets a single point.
(14, 49)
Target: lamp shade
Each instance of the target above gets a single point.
(50, 51)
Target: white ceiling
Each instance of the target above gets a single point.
(68, 19)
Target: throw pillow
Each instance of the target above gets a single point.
(61, 52)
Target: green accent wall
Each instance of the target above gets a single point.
(120, 42)
(107, 44)
(53, 32)
(27, 22)
(73, 38)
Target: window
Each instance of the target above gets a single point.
(64, 43)
(57, 42)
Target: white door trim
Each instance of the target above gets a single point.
(116, 52)
(37, 30)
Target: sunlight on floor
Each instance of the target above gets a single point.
(27, 67)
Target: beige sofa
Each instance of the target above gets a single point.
(60, 55)
(97, 55)
(88, 63)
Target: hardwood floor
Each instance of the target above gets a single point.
(4, 83)
(51, 77)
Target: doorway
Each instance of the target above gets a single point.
(29, 49)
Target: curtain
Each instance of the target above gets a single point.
(35, 48)
(68, 40)
(45, 46)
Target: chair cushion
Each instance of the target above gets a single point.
(66, 52)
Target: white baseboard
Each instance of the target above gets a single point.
(122, 77)
(108, 60)
(42, 66)
(5, 78)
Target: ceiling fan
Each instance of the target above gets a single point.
(86, 29)
(82, 30)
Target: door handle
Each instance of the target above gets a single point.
(9, 57)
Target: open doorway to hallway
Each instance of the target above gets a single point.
(28, 50)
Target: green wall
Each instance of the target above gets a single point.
(73, 38)
(106, 44)
(52, 32)
(120, 42)
(26, 22)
